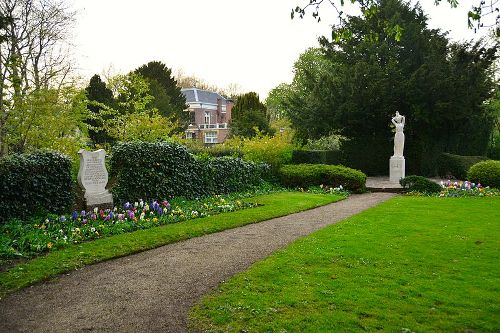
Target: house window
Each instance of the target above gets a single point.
(190, 135)
(211, 137)
(207, 117)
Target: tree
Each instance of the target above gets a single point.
(354, 85)
(100, 98)
(130, 115)
(52, 119)
(248, 116)
(33, 55)
(168, 98)
(484, 14)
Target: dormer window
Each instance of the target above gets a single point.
(207, 117)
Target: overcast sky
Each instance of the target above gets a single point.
(253, 43)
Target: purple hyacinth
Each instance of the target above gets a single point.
(84, 221)
(74, 215)
(127, 205)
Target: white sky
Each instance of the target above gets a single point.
(253, 43)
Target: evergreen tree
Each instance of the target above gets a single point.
(99, 99)
(248, 114)
(354, 85)
(168, 98)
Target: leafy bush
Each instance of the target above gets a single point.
(486, 173)
(456, 166)
(419, 184)
(333, 157)
(273, 150)
(161, 170)
(35, 182)
(330, 142)
(215, 151)
(305, 175)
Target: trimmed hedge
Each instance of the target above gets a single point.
(305, 175)
(34, 183)
(317, 157)
(419, 184)
(456, 166)
(161, 170)
(486, 172)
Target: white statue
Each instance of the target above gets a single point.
(399, 138)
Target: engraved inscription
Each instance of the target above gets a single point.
(94, 172)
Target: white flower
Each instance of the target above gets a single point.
(92, 229)
(142, 216)
(136, 204)
(96, 210)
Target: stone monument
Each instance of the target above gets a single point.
(397, 161)
(93, 178)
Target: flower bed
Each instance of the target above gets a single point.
(461, 189)
(18, 238)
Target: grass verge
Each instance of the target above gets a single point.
(411, 264)
(76, 256)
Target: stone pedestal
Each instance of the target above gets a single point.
(93, 178)
(396, 168)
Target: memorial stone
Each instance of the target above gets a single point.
(93, 178)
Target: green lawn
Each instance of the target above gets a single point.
(411, 264)
(75, 256)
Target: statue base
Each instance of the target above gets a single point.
(102, 200)
(396, 168)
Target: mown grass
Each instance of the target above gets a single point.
(76, 256)
(408, 265)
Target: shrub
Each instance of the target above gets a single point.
(226, 174)
(36, 182)
(305, 175)
(419, 184)
(486, 173)
(161, 170)
(317, 157)
(456, 166)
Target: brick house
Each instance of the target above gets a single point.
(210, 115)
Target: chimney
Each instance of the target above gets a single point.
(219, 108)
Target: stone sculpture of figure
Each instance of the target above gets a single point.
(399, 138)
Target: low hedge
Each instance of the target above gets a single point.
(161, 170)
(305, 175)
(34, 183)
(456, 166)
(419, 184)
(486, 172)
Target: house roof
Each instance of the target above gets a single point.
(195, 95)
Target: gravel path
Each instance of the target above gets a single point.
(152, 291)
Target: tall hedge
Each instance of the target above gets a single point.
(456, 166)
(160, 170)
(35, 182)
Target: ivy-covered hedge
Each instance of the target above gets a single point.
(227, 174)
(419, 184)
(317, 157)
(456, 166)
(35, 182)
(160, 170)
(305, 175)
(486, 173)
